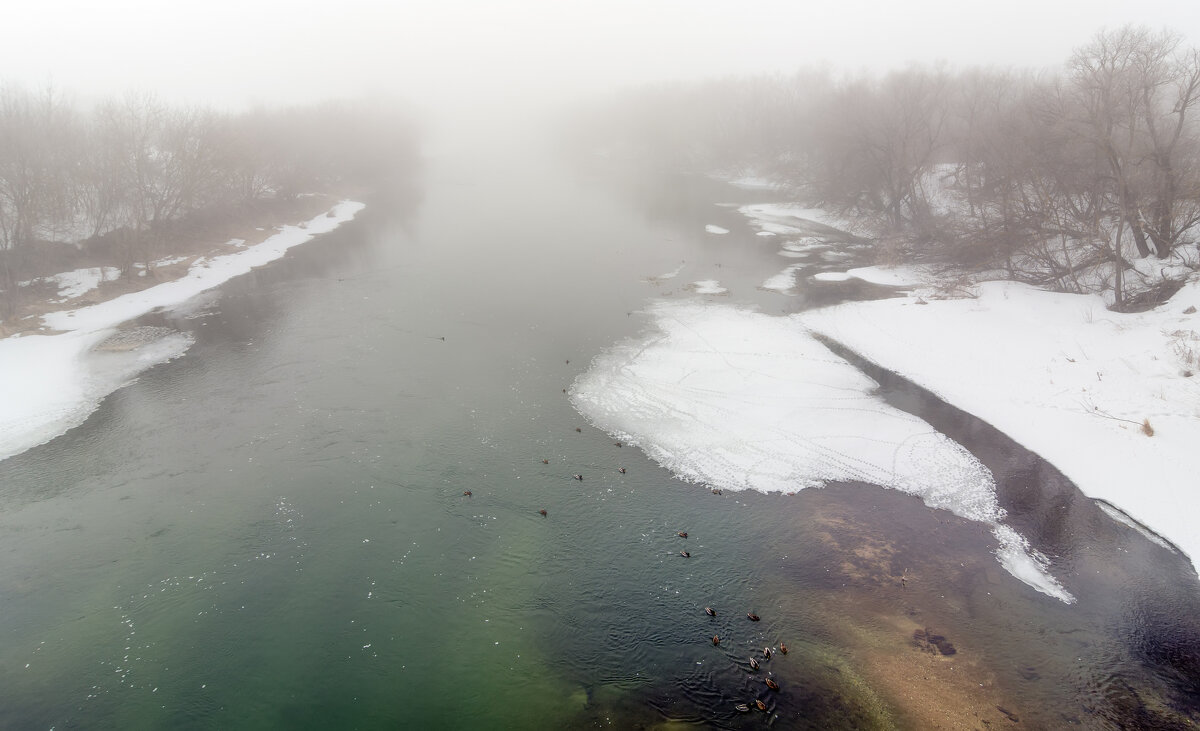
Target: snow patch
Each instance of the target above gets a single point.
(832, 276)
(891, 276)
(708, 286)
(790, 218)
(79, 282)
(668, 275)
(743, 401)
(714, 229)
(784, 281)
(752, 182)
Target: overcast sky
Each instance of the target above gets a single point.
(238, 53)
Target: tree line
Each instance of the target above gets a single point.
(1085, 179)
(133, 171)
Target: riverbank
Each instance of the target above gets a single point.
(1109, 398)
(53, 374)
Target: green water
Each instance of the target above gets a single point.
(271, 531)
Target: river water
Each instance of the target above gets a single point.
(272, 531)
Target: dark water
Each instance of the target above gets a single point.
(272, 532)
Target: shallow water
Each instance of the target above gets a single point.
(271, 530)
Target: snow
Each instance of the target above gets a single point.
(740, 400)
(788, 218)
(832, 276)
(709, 286)
(1064, 377)
(79, 282)
(715, 229)
(891, 276)
(783, 281)
(752, 182)
(667, 275)
(203, 274)
(51, 383)
(1123, 519)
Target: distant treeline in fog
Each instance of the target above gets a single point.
(1084, 180)
(128, 174)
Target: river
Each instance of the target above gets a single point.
(272, 531)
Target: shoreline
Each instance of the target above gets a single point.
(51, 380)
(1077, 388)
(1106, 397)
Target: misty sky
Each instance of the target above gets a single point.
(238, 53)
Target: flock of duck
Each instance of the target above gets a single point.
(754, 663)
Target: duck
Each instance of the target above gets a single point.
(618, 444)
(579, 430)
(767, 652)
(542, 512)
(682, 534)
(467, 493)
(742, 707)
(754, 664)
(760, 705)
(545, 461)
(685, 554)
(752, 616)
(621, 470)
(716, 640)
(710, 611)
(772, 684)
(578, 477)
(716, 491)
(783, 648)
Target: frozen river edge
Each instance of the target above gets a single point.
(52, 383)
(735, 399)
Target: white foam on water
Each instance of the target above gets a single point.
(740, 400)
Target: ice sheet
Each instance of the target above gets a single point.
(740, 400)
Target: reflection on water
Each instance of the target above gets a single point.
(273, 531)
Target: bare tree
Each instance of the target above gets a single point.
(32, 174)
(1135, 93)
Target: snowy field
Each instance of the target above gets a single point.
(1061, 375)
(736, 399)
(51, 383)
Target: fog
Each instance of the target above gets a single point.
(464, 56)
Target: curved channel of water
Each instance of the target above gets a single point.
(272, 530)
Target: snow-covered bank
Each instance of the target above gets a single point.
(785, 218)
(1064, 377)
(51, 383)
(741, 400)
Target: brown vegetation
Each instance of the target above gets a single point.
(1068, 180)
